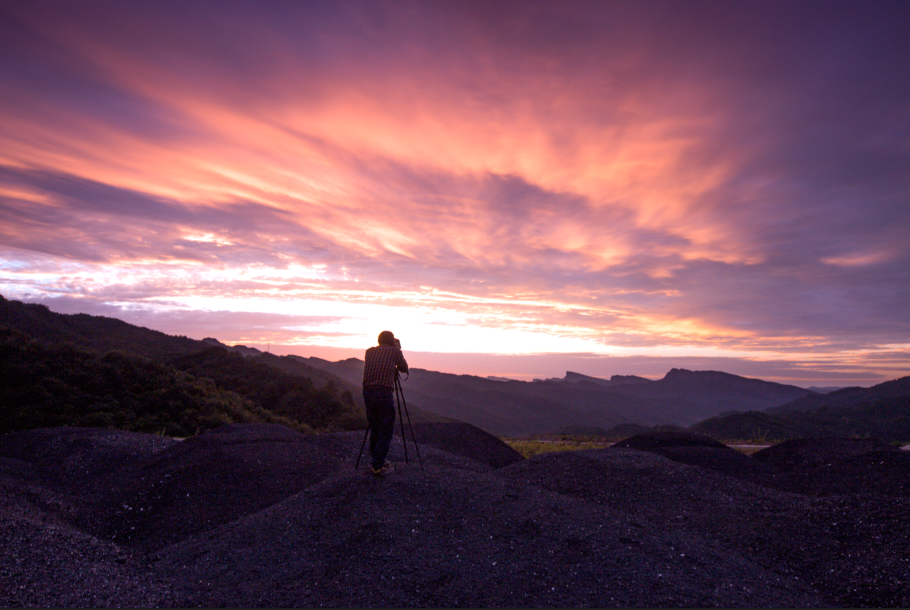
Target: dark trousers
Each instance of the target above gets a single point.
(381, 417)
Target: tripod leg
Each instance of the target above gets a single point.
(360, 453)
(407, 413)
(413, 436)
(401, 420)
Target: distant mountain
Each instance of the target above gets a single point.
(882, 411)
(848, 397)
(825, 389)
(701, 394)
(508, 408)
(578, 402)
(684, 397)
(628, 379)
(350, 369)
(613, 381)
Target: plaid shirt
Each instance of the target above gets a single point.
(380, 364)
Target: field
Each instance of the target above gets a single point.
(529, 447)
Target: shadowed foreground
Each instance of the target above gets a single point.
(259, 515)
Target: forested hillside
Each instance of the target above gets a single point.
(81, 370)
(283, 393)
(61, 385)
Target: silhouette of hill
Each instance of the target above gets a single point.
(824, 389)
(707, 393)
(896, 389)
(327, 395)
(61, 385)
(240, 349)
(254, 515)
(95, 333)
(510, 408)
(289, 395)
(882, 411)
(578, 402)
(81, 370)
(751, 425)
(613, 381)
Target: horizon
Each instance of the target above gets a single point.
(513, 189)
(528, 367)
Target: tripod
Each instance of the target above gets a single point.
(399, 399)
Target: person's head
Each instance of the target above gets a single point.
(386, 338)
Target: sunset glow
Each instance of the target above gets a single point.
(587, 184)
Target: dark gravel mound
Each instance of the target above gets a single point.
(48, 563)
(851, 548)
(884, 473)
(458, 538)
(46, 560)
(260, 515)
(877, 472)
(836, 466)
(739, 516)
(250, 433)
(810, 452)
(345, 446)
(204, 482)
(723, 459)
(467, 440)
(871, 567)
(697, 450)
(73, 455)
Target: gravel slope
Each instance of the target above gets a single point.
(259, 515)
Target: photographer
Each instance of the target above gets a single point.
(382, 363)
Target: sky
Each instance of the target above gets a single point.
(513, 188)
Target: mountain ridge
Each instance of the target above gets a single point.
(682, 397)
(502, 406)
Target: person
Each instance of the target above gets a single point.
(381, 364)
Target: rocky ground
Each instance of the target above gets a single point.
(259, 515)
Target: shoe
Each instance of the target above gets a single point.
(384, 470)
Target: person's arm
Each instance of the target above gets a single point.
(401, 363)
